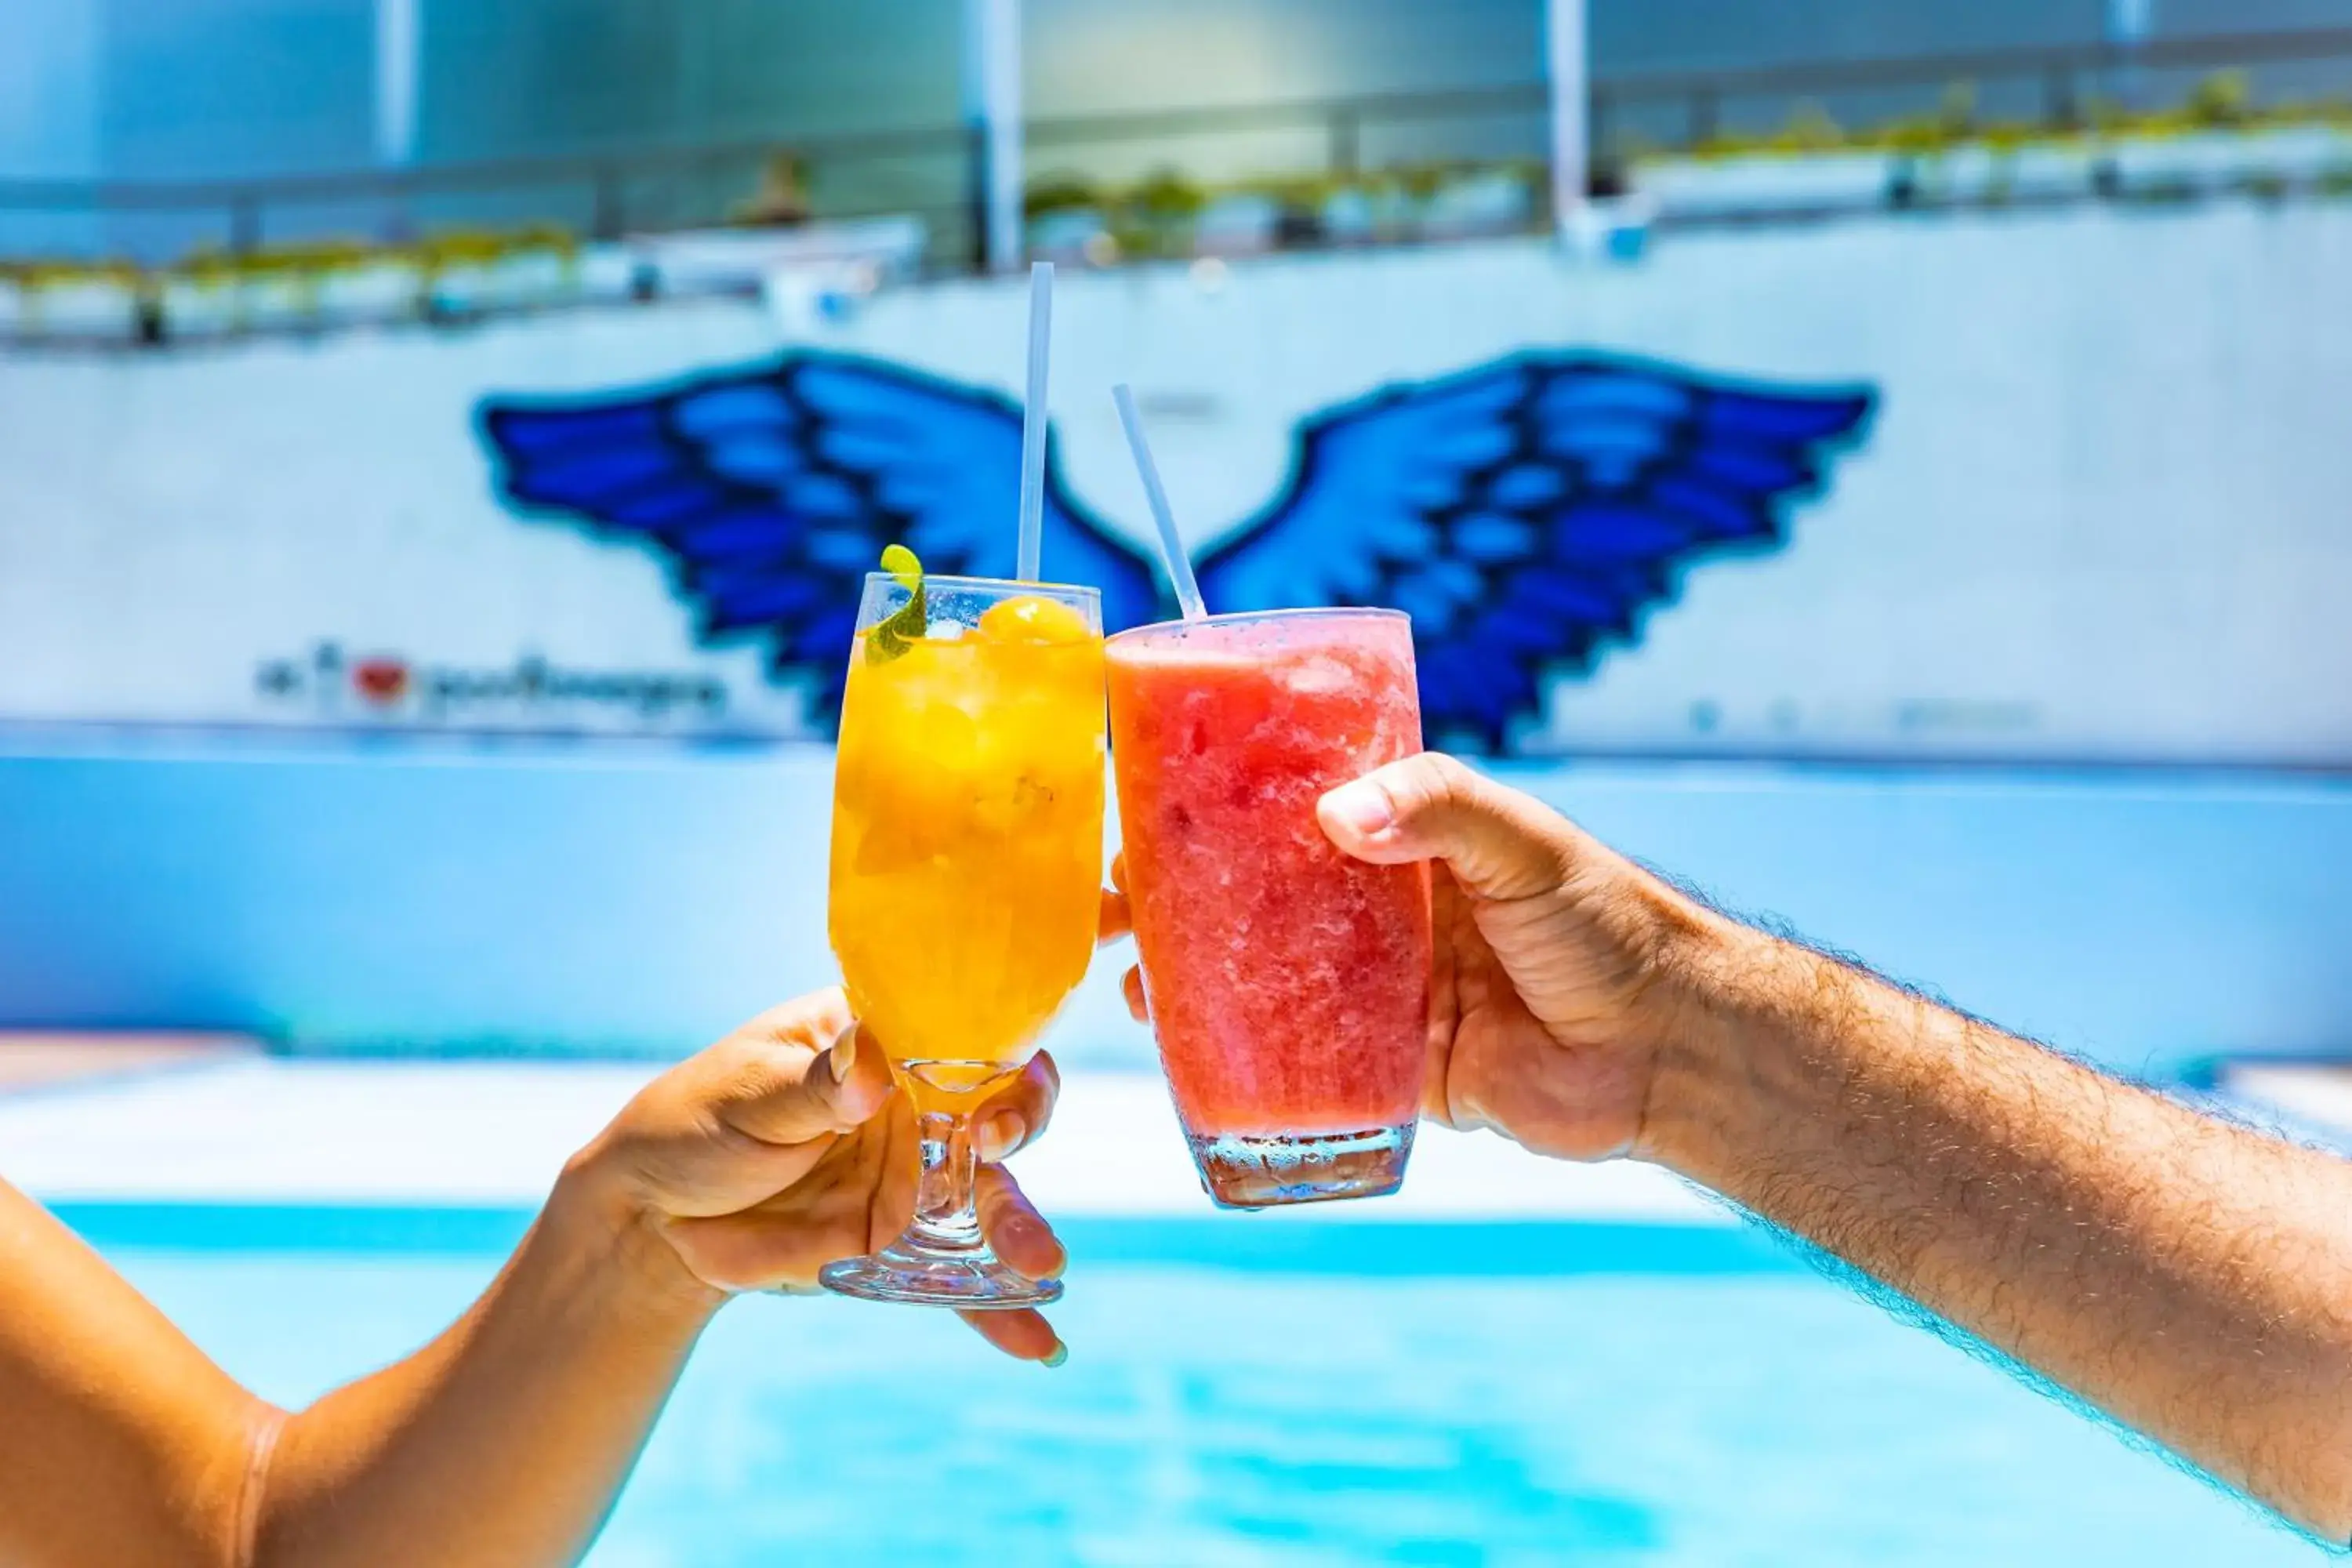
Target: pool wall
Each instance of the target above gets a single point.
(339, 899)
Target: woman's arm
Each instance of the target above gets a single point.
(505, 1440)
(119, 1443)
(502, 1444)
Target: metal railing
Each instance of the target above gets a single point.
(933, 172)
(2061, 73)
(597, 191)
(1342, 121)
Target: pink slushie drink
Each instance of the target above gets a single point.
(1288, 984)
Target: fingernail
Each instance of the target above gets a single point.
(1061, 1353)
(998, 1135)
(1361, 807)
(844, 1053)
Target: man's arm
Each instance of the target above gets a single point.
(2191, 1278)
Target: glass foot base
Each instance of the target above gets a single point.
(974, 1281)
(1250, 1173)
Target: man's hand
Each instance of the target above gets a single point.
(784, 1147)
(1547, 1013)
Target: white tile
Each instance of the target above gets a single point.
(484, 1132)
(322, 1131)
(2320, 1093)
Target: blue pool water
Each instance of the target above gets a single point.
(1244, 1393)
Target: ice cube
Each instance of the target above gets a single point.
(1318, 675)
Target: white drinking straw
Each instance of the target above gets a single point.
(1032, 420)
(1171, 548)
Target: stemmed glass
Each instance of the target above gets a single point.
(967, 862)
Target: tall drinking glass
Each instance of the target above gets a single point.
(967, 863)
(1288, 984)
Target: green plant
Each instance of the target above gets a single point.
(1956, 110)
(2105, 116)
(1125, 238)
(2222, 100)
(1710, 149)
(1164, 192)
(1156, 216)
(551, 238)
(1928, 135)
(1810, 130)
(1920, 136)
(207, 268)
(1059, 192)
(1420, 180)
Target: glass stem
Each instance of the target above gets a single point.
(945, 1218)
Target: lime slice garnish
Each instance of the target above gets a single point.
(909, 621)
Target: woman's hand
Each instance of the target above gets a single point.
(784, 1147)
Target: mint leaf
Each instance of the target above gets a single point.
(907, 623)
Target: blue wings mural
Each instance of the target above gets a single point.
(1525, 512)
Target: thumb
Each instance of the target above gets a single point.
(789, 1094)
(1498, 843)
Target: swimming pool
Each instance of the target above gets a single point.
(1272, 1390)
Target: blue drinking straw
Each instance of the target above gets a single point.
(1171, 548)
(1033, 421)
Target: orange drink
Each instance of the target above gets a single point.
(966, 873)
(967, 835)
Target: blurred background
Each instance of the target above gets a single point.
(376, 811)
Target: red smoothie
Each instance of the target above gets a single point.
(1288, 984)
